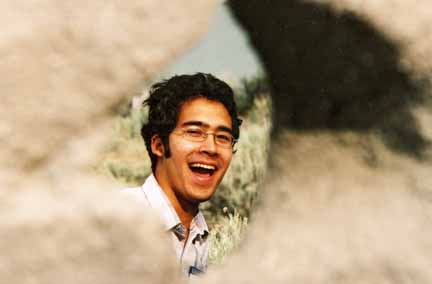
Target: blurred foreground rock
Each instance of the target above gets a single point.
(66, 65)
(340, 203)
(86, 237)
(343, 65)
(327, 217)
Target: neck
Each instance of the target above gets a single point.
(185, 210)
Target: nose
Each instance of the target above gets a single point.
(209, 145)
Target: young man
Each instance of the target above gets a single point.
(190, 136)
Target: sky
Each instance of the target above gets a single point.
(224, 50)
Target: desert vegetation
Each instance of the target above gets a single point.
(229, 210)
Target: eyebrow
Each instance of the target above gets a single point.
(201, 124)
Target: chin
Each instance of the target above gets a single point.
(202, 197)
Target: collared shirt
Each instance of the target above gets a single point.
(191, 253)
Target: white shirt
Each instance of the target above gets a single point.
(192, 256)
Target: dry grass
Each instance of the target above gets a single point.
(127, 161)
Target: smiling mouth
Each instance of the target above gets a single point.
(202, 169)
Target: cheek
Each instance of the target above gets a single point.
(227, 159)
(180, 152)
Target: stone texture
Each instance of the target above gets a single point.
(82, 237)
(64, 65)
(336, 210)
(328, 217)
(341, 204)
(346, 65)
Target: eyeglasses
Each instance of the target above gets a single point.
(197, 134)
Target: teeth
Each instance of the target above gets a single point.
(208, 167)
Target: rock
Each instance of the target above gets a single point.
(65, 65)
(82, 237)
(328, 217)
(339, 204)
(346, 65)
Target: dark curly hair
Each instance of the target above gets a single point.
(167, 97)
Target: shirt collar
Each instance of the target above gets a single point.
(159, 201)
(199, 223)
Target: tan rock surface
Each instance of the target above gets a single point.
(327, 217)
(65, 64)
(82, 237)
(339, 206)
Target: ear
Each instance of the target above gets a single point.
(157, 146)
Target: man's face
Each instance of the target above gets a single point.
(195, 169)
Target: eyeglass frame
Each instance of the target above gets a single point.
(183, 132)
